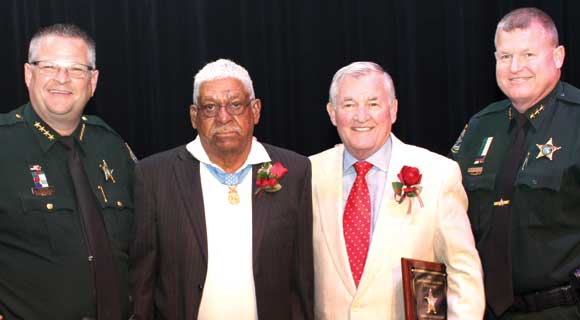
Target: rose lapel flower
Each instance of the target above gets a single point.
(268, 177)
(408, 186)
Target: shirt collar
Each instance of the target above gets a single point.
(258, 153)
(45, 135)
(380, 159)
(538, 112)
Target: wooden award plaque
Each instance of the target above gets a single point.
(424, 290)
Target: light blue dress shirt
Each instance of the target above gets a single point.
(376, 178)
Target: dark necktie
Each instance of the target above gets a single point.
(98, 244)
(357, 221)
(496, 249)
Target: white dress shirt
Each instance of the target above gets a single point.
(228, 292)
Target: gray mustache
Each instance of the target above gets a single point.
(226, 129)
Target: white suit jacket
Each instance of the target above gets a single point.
(438, 231)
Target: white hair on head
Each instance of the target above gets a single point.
(220, 69)
(359, 69)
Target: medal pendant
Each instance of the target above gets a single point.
(233, 197)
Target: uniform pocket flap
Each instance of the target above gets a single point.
(546, 180)
(114, 195)
(49, 203)
(483, 182)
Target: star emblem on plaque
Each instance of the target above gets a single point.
(547, 149)
(431, 302)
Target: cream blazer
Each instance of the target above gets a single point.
(438, 231)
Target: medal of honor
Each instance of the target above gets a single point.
(233, 197)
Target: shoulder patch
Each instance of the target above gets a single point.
(457, 145)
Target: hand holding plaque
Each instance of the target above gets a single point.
(424, 290)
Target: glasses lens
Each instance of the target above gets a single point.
(210, 110)
(78, 71)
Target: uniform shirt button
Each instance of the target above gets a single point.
(49, 206)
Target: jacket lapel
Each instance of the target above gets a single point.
(330, 210)
(262, 205)
(186, 170)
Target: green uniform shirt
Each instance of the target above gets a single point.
(44, 267)
(545, 204)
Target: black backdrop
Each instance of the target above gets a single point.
(440, 54)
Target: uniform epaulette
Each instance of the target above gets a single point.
(96, 121)
(13, 117)
(568, 93)
(495, 107)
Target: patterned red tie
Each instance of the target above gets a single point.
(357, 221)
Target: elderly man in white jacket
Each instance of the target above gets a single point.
(363, 227)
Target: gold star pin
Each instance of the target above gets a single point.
(547, 149)
(108, 172)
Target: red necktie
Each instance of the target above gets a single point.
(357, 221)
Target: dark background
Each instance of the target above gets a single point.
(439, 53)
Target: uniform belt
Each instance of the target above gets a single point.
(540, 300)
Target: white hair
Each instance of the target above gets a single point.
(357, 70)
(220, 69)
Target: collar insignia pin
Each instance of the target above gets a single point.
(537, 112)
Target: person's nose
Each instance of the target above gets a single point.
(515, 64)
(223, 115)
(361, 113)
(62, 75)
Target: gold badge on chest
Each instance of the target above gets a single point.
(547, 149)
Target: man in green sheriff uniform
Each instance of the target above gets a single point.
(46, 269)
(527, 226)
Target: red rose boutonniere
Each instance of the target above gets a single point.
(268, 177)
(408, 186)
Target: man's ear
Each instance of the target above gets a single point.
(256, 108)
(193, 115)
(559, 54)
(331, 113)
(27, 76)
(393, 110)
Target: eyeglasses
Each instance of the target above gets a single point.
(74, 70)
(235, 108)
